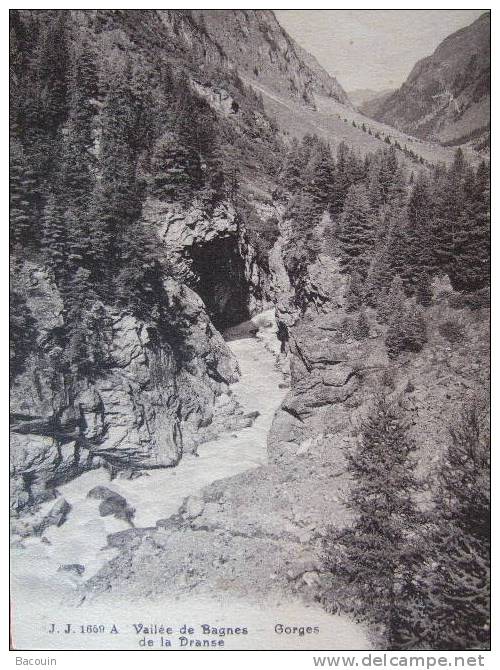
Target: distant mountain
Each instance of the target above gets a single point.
(363, 96)
(446, 97)
(261, 50)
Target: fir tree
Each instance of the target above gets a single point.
(370, 560)
(423, 290)
(24, 200)
(450, 604)
(469, 267)
(419, 232)
(354, 293)
(449, 206)
(170, 166)
(361, 326)
(391, 302)
(356, 235)
(379, 276)
(320, 176)
(55, 237)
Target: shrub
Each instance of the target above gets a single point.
(475, 300)
(451, 331)
(406, 332)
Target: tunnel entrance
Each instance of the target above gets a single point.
(221, 281)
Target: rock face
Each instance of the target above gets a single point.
(250, 41)
(211, 254)
(159, 396)
(446, 96)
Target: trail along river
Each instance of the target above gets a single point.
(41, 593)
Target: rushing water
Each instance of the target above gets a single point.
(39, 588)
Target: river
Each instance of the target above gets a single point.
(39, 589)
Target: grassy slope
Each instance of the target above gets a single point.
(328, 122)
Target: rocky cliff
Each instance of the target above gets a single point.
(156, 398)
(446, 96)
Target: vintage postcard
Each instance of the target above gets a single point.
(249, 329)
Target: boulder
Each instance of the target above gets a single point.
(112, 503)
(58, 513)
(193, 507)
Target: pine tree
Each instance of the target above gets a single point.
(396, 224)
(170, 165)
(49, 67)
(423, 289)
(391, 302)
(305, 244)
(116, 202)
(78, 161)
(449, 206)
(469, 267)
(24, 200)
(342, 180)
(452, 586)
(362, 326)
(354, 293)
(379, 276)
(319, 176)
(83, 353)
(292, 175)
(419, 234)
(55, 237)
(356, 235)
(370, 560)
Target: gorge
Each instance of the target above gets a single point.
(232, 297)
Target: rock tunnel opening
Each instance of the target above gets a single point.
(221, 283)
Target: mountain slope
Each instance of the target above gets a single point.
(258, 46)
(446, 96)
(362, 96)
(373, 101)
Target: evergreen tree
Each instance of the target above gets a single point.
(78, 161)
(379, 276)
(362, 326)
(449, 206)
(86, 323)
(293, 170)
(320, 176)
(369, 561)
(419, 233)
(356, 234)
(423, 290)
(449, 608)
(354, 293)
(342, 180)
(391, 301)
(469, 267)
(304, 213)
(116, 200)
(170, 166)
(24, 200)
(55, 237)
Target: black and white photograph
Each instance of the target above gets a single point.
(249, 324)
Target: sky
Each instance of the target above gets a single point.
(372, 48)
